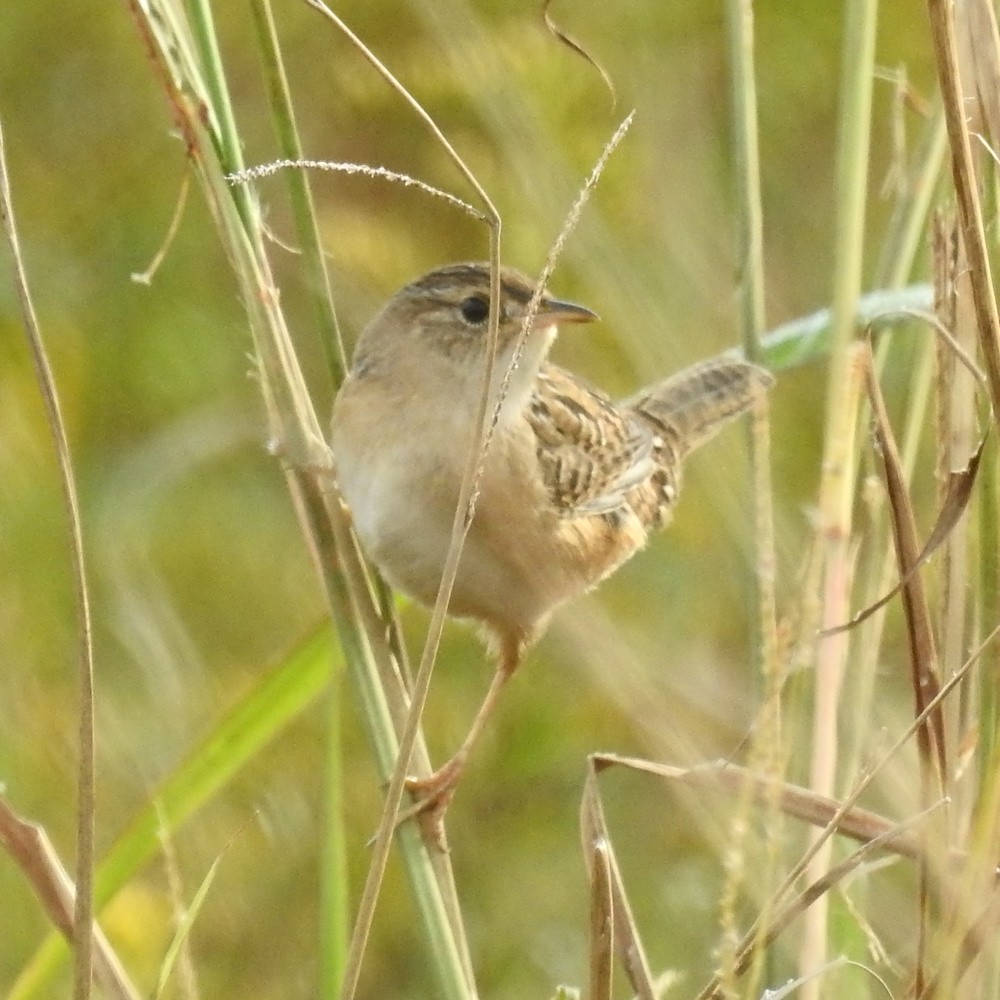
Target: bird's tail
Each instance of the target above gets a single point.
(693, 405)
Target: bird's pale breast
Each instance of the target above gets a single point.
(521, 558)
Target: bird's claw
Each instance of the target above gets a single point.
(431, 797)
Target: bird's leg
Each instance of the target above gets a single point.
(434, 793)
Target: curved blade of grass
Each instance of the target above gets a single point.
(807, 338)
(925, 669)
(262, 714)
(594, 834)
(83, 905)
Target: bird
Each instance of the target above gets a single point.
(572, 484)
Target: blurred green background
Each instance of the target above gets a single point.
(201, 579)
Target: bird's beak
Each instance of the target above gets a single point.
(553, 311)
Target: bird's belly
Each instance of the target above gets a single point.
(402, 511)
(520, 559)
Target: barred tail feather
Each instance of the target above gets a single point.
(693, 405)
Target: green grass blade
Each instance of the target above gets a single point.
(184, 928)
(335, 921)
(277, 699)
(807, 339)
(299, 192)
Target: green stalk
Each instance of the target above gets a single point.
(766, 749)
(317, 278)
(222, 130)
(335, 925)
(334, 930)
(853, 142)
(430, 877)
(907, 230)
(750, 240)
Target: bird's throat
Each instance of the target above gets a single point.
(514, 376)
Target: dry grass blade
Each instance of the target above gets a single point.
(957, 496)
(923, 654)
(942, 331)
(146, 277)
(793, 800)
(977, 23)
(573, 44)
(391, 80)
(924, 672)
(942, 16)
(980, 935)
(893, 837)
(29, 846)
(83, 917)
(784, 915)
(628, 946)
(602, 921)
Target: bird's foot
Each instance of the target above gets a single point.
(431, 797)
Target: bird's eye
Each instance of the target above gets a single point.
(474, 309)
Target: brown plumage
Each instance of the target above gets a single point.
(573, 482)
(597, 456)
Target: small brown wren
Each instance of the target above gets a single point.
(573, 482)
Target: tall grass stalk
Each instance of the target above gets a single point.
(943, 35)
(334, 896)
(766, 752)
(83, 904)
(853, 143)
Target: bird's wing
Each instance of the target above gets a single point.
(591, 454)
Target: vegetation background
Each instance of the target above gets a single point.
(201, 578)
